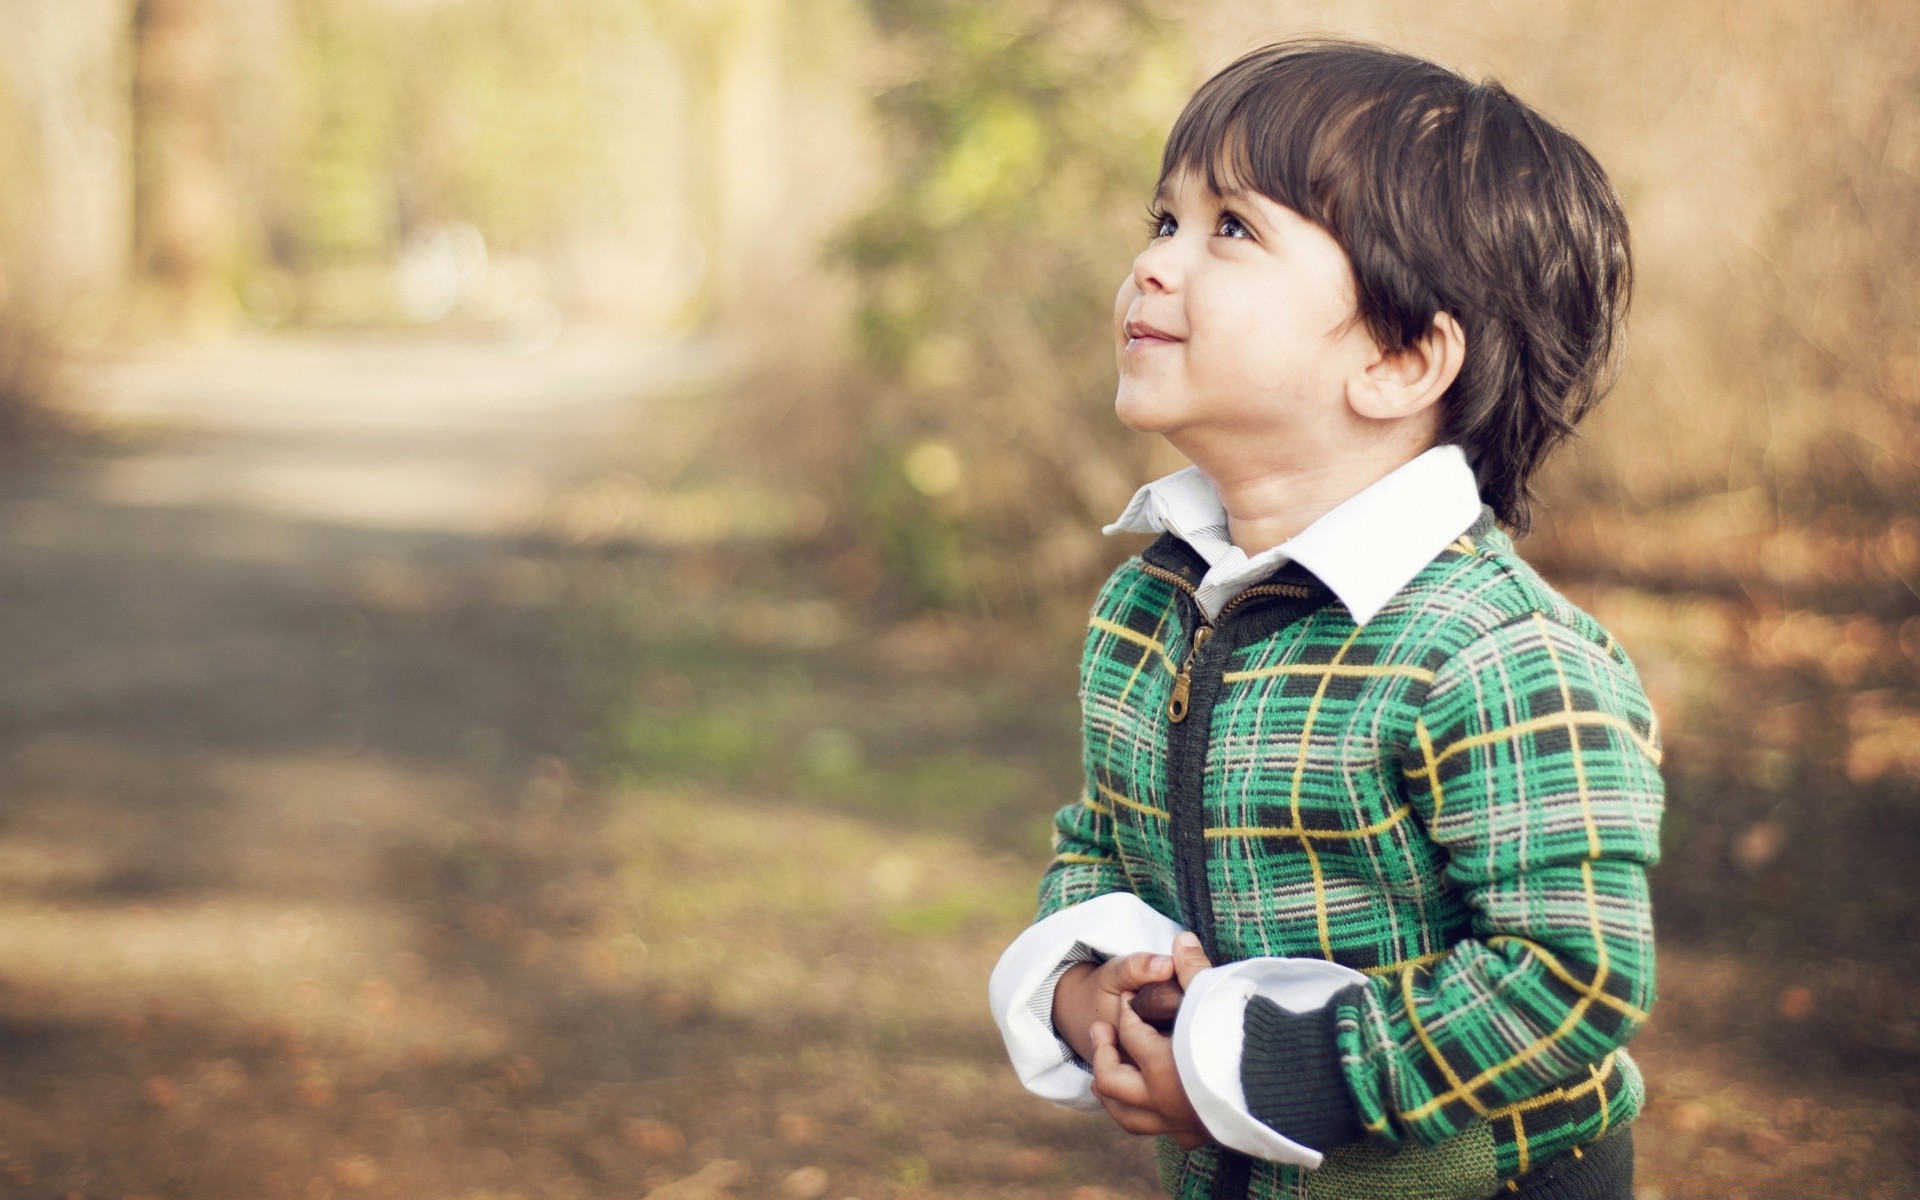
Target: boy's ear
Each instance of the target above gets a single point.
(1405, 382)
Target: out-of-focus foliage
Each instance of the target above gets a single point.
(329, 161)
(1018, 137)
(497, 113)
(402, 120)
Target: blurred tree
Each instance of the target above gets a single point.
(1020, 136)
(182, 201)
(707, 39)
(565, 132)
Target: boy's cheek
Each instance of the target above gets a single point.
(1122, 302)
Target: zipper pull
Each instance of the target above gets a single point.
(1183, 682)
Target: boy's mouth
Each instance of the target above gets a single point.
(1140, 333)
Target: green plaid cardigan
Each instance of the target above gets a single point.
(1459, 799)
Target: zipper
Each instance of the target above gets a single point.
(1179, 702)
(1183, 682)
(1187, 753)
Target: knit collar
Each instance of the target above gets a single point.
(1365, 549)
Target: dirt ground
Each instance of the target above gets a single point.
(408, 796)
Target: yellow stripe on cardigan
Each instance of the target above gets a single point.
(1569, 978)
(1399, 814)
(1343, 670)
(1299, 773)
(1140, 666)
(1137, 638)
(1597, 1075)
(1426, 752)
(1417, 961)
(1559, 720)
(1433, 1051)
(1129, 802)
(1574, 1017)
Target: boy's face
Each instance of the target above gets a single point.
(1258, 305)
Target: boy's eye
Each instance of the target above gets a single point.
(1161, 224)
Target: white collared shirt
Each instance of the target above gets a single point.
(1365, 549)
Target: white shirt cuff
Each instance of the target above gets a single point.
(1209, 1034)
(1020, 990)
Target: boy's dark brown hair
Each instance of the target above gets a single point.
(1447, 195)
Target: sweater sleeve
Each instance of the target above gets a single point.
(1535, 763)
(1087, 913)
(1086, 862)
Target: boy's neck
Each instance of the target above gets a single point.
(1266, 507)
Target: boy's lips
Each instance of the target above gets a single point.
(1141, 335)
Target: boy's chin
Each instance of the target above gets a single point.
(1143, 413)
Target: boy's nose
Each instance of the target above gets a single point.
(1152, 268)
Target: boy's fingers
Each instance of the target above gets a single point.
(1104, 1029)
(1139, 968)
(1106, 1052)
(1103, 1042)
(1124, 1086)
(1134, 1118)
(1113, 1079)
(1148, 1046)
(1189, 959)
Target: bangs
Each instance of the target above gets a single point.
(1241, 131)
(1299, 123)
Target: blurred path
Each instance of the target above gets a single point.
(300, 578)
(300, 895)
(279, 654)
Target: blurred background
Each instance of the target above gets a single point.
(544, 544)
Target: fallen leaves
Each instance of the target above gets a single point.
(708, 1183)
(796, 1128)
(316, 1091)
(807, 1183)
(521, 1073)
(1031, 1162)
(359, 1171)
(656, 1139)
(1796, 1003)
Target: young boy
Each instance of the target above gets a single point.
(1378, 797)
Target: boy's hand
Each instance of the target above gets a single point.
(1088, 993)
(1133, 1069)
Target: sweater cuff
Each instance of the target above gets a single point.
(1290, 1073)
(1209, 1041)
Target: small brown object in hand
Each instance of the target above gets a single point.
(1158, 1003)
